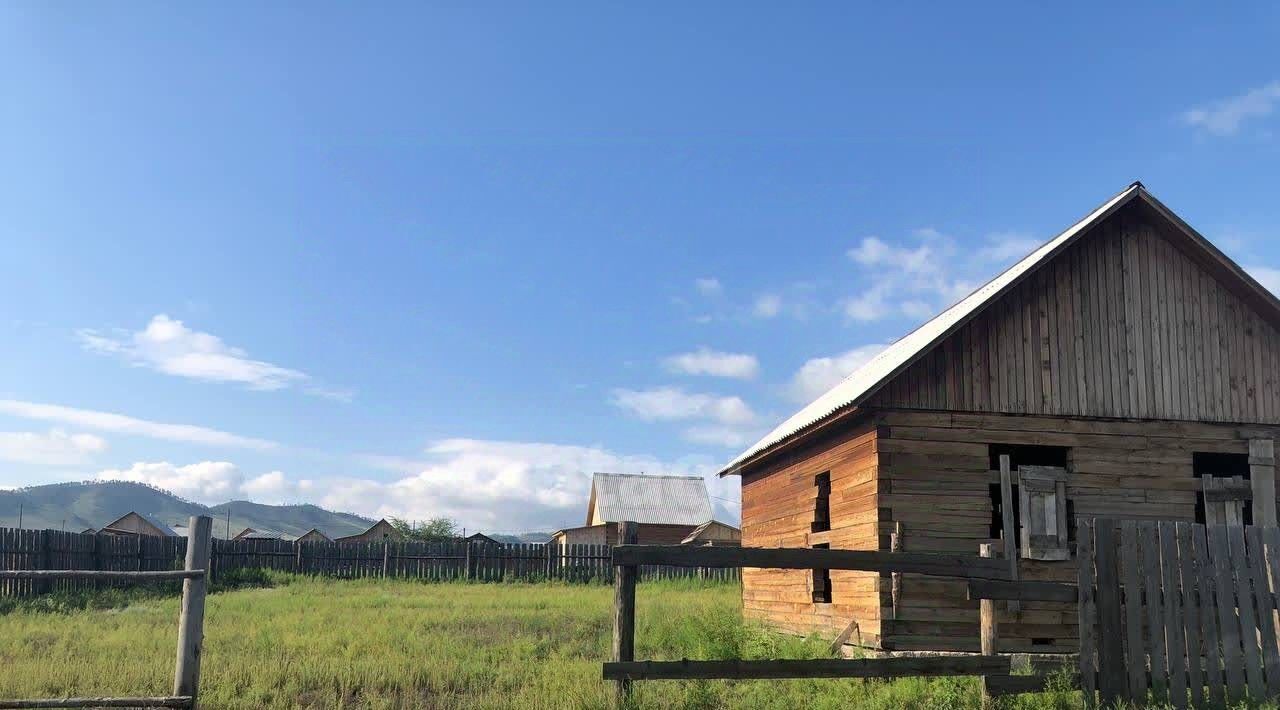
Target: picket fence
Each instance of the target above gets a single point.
(428, 561)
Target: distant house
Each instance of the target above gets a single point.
(313, 535)
(667, 509)
(481, 538)
(133, 523)
(381, 530)
(713, 532)
(254, 534)
(89, 531)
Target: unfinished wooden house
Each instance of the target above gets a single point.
(1126, 368)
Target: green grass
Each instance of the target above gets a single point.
(310, 643)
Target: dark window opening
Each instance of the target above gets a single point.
(1042, 641)
(822, 503)
(822, 581)
(1071, 521)
(1212, 463)
(1027, 455)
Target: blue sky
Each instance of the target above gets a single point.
(449, 259)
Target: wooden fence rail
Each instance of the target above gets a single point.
(186, 674)
(51, 550)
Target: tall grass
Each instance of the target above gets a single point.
(312, 643)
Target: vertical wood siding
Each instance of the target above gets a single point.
(1121, 324)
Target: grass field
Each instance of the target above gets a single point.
(309, 643)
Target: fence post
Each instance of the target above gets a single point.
(297, 557)
(42, 561)
(624, 611)
(987, 627)
(186, 674)
(466, 562)
(386, 557)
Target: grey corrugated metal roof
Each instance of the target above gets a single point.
(659, 500)
(867, 379)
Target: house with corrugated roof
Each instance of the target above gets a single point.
(667, 510)
(134, 523)
(1120, 369)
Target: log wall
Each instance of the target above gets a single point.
(778, 511)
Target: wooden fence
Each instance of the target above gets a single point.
(428, 561)
(186, 673)
(1187, 612)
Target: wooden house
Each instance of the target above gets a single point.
(480, 538)
(313, 535)
(379, 531)
(666, 509)
(263, 534)
(133, 523)
(1124, 367)
(713, 532)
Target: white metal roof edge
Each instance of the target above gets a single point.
(864, 381)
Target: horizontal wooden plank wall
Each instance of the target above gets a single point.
(934, 477)
(778, 511)
(428, 561)
(1121, 324)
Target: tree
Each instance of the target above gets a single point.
(434, 530)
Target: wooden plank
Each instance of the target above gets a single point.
(1112, 683)
(945, 565)
(1175, 640)
(1149, 544)
(154, 702)
(1135, 652)
(1262, 477)
(624, 612)
(145, 575)
(988, 629)
(1263, 598)
(1023, 591)
(1253, 671)
(900, 667)
(1002, 685)
(1189, 574)
(1228, 622)
(1087, 610)
(1208, 619)
(1009, 526)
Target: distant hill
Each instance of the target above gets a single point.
(535, 537)
(76, 506)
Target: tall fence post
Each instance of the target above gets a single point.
(386, 557)
(624, 611)
(186, 675)
(297, 557)
(987, 627)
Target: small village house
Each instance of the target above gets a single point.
(667, 510)
(481, 538)
(133, 523)
(1123, 367)
(313, 535)
(254, 534)
(379, 531)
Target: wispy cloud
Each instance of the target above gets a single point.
(167, 345)
(53, 448)
(820, 374)
(708, 286)
(705, 361)
(121, 424)
(1224, 117)
(767, 305)
(714, 419)
(213, 481)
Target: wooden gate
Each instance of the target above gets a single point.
(1183, 612)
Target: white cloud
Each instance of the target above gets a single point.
(920, 278)
(717, 435)
(705, 361)
(1267, 276)
(52, 448)
(673, 403)
(818, 375)
(275, 488)
(767, 305)
(169, 346)
(205, 481)
(1224, 117)
(121, 424)
(708, 286)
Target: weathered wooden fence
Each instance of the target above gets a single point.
(628, 557)
(186, 674)
(1187, 612)
(428, 561)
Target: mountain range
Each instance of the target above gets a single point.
(78, 506)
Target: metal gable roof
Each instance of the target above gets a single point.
(659, 500)
(867, 379)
